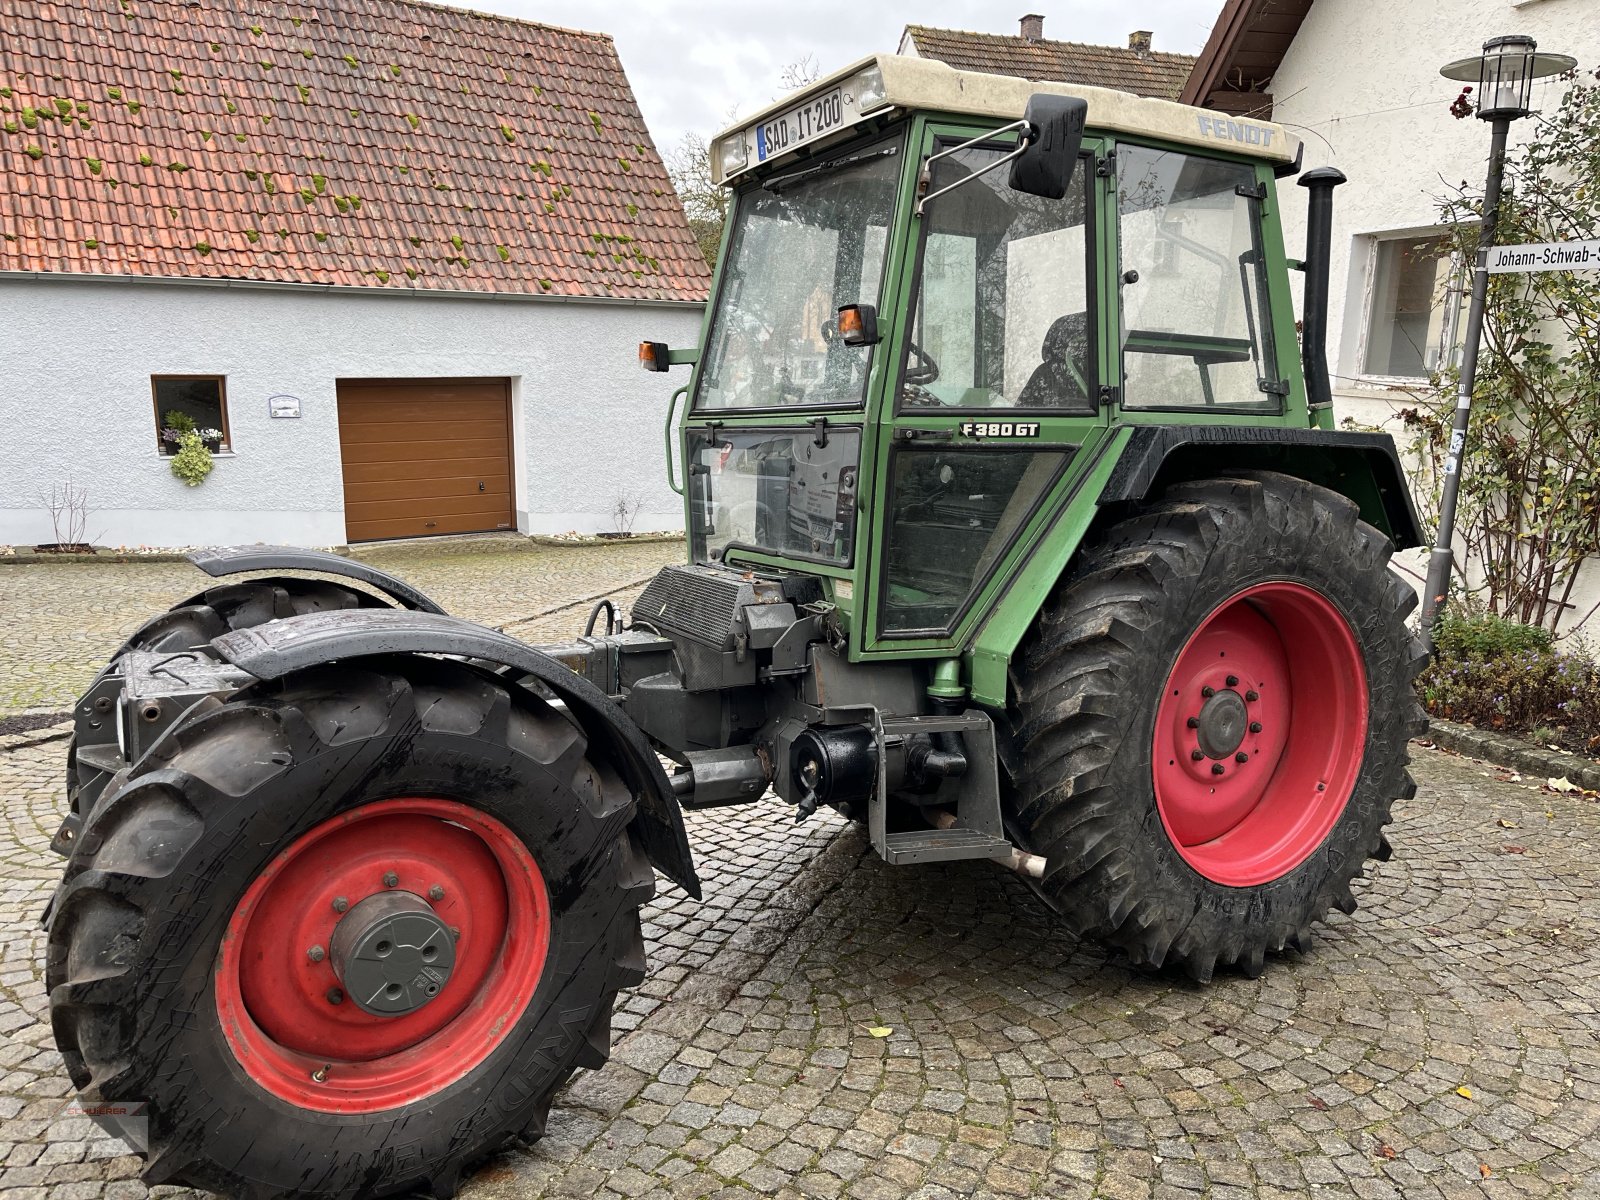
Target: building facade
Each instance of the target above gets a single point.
(1360, 83)
(394, 260)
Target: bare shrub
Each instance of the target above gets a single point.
(68, 506)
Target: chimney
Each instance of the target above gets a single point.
(1033, 27)
(1139, 42)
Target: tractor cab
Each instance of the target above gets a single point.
(941, 296)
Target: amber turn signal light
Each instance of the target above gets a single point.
(653, 356)
(858, 325)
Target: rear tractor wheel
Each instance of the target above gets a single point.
(346, 935)
(1211, 719)
(194, 622)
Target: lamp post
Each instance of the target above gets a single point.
(1504, 73)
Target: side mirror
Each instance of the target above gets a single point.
(1050, 151)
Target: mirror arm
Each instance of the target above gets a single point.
(925, 176)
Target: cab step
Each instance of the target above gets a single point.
(942, 845)
(971, 803)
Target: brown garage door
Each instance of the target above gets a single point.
(425, 456)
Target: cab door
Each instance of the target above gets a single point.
(1002, 392)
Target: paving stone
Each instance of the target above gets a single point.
(1023, 1062)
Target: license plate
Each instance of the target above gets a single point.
(817, 116)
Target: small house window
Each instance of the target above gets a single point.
(1413, 307)
(197, 402)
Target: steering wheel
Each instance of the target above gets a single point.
(926, 370)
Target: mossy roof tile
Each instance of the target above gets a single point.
(463, 75)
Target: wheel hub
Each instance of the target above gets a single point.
(1222, 723)
(392, 953)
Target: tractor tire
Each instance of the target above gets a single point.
(219, 610)
(217, 951)
(1210, 721)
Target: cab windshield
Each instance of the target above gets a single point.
(804, 242)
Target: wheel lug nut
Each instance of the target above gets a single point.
(390, 879)
(340, 904)
(316, 954)
(1197, 755)
(455, 933)
(1255, 726)
(1233, 681)
(1208, 692)
(1193, 722)
(1217, 768)
(1241, 757)
(436, 892)
(1252, 696)
(335, 996)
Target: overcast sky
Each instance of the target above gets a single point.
(691, 62)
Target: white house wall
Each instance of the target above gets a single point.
(76, 360)
(1361, 85)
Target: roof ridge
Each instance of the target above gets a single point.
(432, 5)
(1012, 37)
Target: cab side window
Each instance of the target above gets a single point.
(1196, 326)
(1002, 317)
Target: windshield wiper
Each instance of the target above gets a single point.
(778, 182)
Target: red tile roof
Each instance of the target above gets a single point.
(369, 142)
(1148, 73)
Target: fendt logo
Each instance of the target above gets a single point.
(1242, 132)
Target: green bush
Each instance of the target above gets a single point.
(1498, 674)
(192, 462)
(1486, 636)
(176, 419)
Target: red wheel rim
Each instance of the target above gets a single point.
(274, 990)
(1260, 733)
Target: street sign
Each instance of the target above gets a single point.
(1545, 256)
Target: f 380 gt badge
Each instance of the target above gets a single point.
(1000, 429)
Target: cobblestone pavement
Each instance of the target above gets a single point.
(62, 620)
(1443, 1041)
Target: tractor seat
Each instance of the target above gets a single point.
(1058, 381)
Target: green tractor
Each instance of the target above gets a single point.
(1018, 531)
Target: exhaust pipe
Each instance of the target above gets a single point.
(1314, 322)
(1023, 863)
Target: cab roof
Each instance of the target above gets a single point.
(929, 86)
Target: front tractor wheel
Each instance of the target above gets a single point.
(346, 935)
(1211, 718)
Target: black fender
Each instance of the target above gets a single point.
(282, 647)
(231, 560)
(1362, 466)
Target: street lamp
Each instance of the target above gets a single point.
(1504, 72)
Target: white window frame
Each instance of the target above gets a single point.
(1449, 345)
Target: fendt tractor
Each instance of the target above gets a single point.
(1018, 530)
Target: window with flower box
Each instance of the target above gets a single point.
(197, 402)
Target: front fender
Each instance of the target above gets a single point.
(231, 560)
(293, 644)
